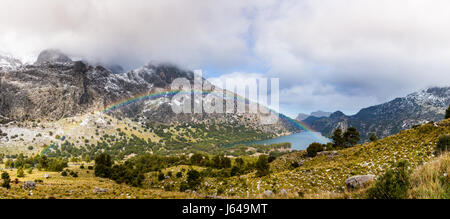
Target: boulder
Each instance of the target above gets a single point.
(268, 194)
(358, 182)
(283, 193)
(99, 190)
(46, 176)
(29, 185)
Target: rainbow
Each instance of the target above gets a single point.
(46, 149)
(156, 95)
(298, 124)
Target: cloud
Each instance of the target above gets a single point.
(189, 33)
(359, 48)
(329, 55)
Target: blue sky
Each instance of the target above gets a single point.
(329, 55)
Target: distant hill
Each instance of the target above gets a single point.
(391, 117)
(319, 114)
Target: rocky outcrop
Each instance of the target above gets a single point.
(52, 56)
(29, 185)
(358, 182)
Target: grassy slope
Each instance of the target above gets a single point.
(320, 177)
(432, 181)
(326, 175)
(79, 188)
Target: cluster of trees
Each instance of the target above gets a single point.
(132, 171)
(41, 162)
(341, 140)
(345, 139)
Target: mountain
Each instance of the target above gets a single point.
(9, 63)
(321, 114)
(302, 116)
(391, 117)
(58, 92)
(52, 56)
(317, 114)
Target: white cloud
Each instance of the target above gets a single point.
(359, 47)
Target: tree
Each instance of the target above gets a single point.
(196, 159)
(313, 149)
(373, 137)
(351, 137)
(338, 139)
(103, 165)
(447, 113)
(262, 166)
(239, 162)
(394, 184)
(6, 180)
(193, 178)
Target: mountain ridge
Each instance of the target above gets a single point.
(391, 117)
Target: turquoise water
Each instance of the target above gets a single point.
(299, 141)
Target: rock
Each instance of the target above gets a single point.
(268, 194)
(29, 185)
(330, 154)
(283, 193)
(100, 190)
(46, 176)
(52, 56)
(358, 182)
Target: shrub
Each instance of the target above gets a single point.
(443, 144)
(63, 173)
(20, 173)
(373, 137)
(161, 176)
(313, 149)
(394, 184)
(179, 175)
(6, 180)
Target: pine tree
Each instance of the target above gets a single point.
(351, 137)
(338, 139)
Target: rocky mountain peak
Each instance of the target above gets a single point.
(337, 114)
(52, 56)
(9, 63)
